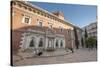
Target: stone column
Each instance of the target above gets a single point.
(59, 42)
(46, 43)
(36, 42)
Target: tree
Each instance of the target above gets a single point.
(86, 35)
(90, 42)
(82, 42)
(76, 39)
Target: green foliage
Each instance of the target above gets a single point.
(90, 42)
(82, 42)
(86, 35)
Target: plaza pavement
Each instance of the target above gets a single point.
(80, 55)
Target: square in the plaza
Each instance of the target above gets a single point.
(52, 33)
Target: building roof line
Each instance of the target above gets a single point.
(45, 11)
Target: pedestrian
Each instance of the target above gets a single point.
(72, 50)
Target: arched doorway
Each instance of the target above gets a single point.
(50, 42)
(32, 42)
(57, 44)
(61, 43)
(41, 42)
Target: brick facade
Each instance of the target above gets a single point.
(59, 29)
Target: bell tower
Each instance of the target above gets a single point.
(59, 14)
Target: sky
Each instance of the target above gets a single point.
(79, 15)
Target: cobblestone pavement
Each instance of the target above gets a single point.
(80, 55)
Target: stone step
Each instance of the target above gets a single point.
(56, 53)
(31, 54)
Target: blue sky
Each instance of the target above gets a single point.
(80, 15)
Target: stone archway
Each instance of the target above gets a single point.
(50, 44)
(57, 44)
(41, 42)
(32, 44)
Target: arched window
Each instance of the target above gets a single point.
(61, 43)
(41, 42)
(32, 43)
(56, 43)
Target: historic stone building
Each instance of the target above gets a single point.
(33, 27)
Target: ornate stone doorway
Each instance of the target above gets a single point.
(50, 43)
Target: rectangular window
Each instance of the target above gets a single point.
(40, 23)
(26, 19)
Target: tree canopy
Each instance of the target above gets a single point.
(90, 42)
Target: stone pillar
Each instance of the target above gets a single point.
(46, 43)
(59, 42)
(36, 42)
